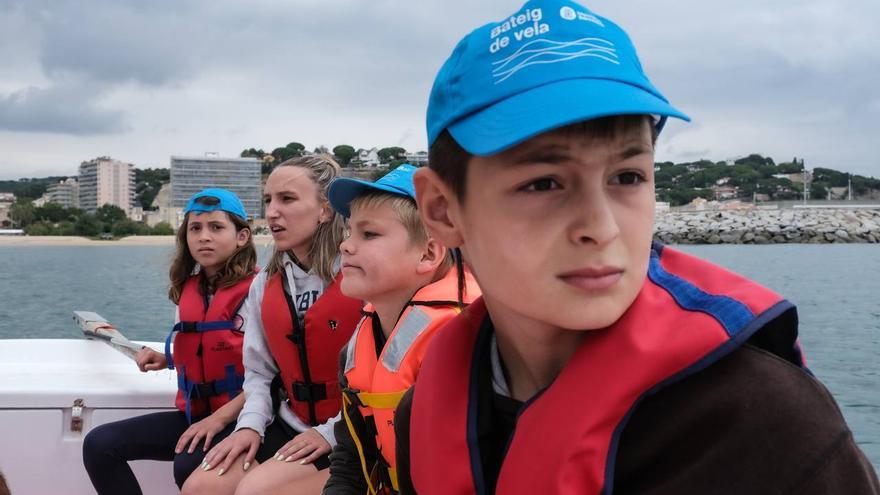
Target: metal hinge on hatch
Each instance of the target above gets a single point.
(76, 421)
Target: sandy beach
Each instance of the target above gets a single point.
(134, 240)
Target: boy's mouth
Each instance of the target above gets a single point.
(593, 278)
(276, 228)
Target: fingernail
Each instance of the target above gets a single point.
(247, 465)
(289, 458)
(279, 457)
(207, 467)
(220, 473)
(302, 462)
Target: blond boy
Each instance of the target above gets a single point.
(411, 290)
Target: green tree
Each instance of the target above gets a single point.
(344, 153)
(109, 214)
(148, 181)
(124, 227)
(52, 212)
(87, 225)
(41, 227)
(162, 228)
(390, 153)
(22, 212)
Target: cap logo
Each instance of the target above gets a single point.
(545, 51)
(524, 26)
(569, 14)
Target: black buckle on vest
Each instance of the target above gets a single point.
(188, 326)
(296, 337)
(309, 392)
(205, 390)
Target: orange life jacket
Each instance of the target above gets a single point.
(688, 315)
(207, 347)
(308, 357)
(373, 391)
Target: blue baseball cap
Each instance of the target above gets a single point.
(550, 64)
(344, 189)
(216, 199)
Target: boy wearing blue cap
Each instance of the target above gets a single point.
(596, 361)
(410, 289)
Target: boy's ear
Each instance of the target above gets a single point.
(433, 255)
(438, 207)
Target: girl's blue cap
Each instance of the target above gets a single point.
(550, 64)
(216, 199)
(344, 189)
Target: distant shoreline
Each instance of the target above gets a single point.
(133, 240)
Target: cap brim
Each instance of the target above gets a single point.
(344, 189)
(525, 115)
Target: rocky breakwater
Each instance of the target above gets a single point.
(805, 226)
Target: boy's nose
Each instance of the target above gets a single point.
(594, 221)
(346, 246)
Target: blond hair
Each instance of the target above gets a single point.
(407, 213)
(322, 170)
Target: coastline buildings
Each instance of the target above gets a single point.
(190, 175)
(106, 181)
(64, 193)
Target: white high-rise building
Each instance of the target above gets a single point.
(242, 176)
(64, 193)
(106, 181)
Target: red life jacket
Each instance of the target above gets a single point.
(308, 358)
(373, 391)
(207, 347)
(688, 315)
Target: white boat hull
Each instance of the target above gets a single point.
(42, 380)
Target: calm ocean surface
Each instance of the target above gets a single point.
(836, 288)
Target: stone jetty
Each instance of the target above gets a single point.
(805, 226)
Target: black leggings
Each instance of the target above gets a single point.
(108, 448)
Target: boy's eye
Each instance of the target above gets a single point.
(370, 234)
(627, 179)
(217, 227)
(267, 199)
(194, 227)
(542, 184)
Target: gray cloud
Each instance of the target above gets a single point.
(65, 109)
(794, 77)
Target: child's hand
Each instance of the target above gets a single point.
(205, 428)
(244, 441)
(150, 360)
(305, 447)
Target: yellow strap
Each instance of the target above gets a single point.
(392, 474)
(357, 443)
(384, 400)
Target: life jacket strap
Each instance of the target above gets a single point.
(346, 400)
(309, 392)
(380, 400)
(230, 384)
(194, 326)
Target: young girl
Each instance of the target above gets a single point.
(210, 277)
(296, 322)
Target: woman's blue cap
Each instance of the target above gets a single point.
(216, 199)
(550, 64)
(343, 190)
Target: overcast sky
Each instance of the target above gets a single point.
(142, 80)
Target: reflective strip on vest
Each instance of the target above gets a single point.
(409, 330)
(352, 343)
